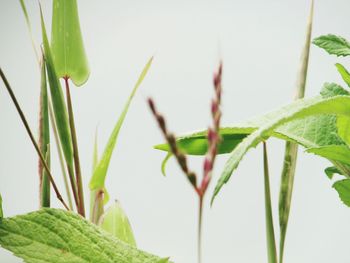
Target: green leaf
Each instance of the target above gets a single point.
(343, 125)
(165, 161)
(60, 111)
(340, 153)
(57, 236)
(334, 45)
(332, 89)
(1, 212)
(67, 44)
(339, 105)
(99, 176)
(115, 222)
(44, 139)
(331, 171)
(344, 73)
(343, 189)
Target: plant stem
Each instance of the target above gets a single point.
(270, 233)
(200, 217)
(60, 156)
(26, 125)
(81, 207)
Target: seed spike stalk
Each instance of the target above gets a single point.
(31, 136)
(81, 206)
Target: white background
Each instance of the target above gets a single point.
(260, 43)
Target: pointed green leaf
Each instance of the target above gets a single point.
(58, 103)
(343, 125)
(334, 45)
(67, 44)
(297, 110)
(344, 73)
(331, 171)
(99, 175)
(343, 189)
(115, 222)
(57, 236)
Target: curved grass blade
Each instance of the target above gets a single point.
(44, 139)
(115, 222)
(338, 105)
(29, 26)
(99, 175)
(291, 149)
(67, 43)
(55, 236)
(165, 161)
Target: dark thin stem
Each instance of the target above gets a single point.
(26, 125)
(200, 217)
(81, 207)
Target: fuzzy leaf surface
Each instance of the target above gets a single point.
(57, 236)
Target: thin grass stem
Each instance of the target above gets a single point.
(26, 125)
(200, 219)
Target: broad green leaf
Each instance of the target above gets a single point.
(331, 171)
(334, 45)
(44, 139)
(338, 105)
(343, 189)
(99, 176)
(332, 89)
(58, 103)
(1, 212)
(165, 161)
(67, 44)
(57, 236)
(344, 73)
(115, 221)
(340, 153)
(291, 148)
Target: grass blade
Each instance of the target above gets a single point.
(60, 111)
(67, 43)
(1, 212)
(270, 233)
(99, 175)
(291, 149)
(60, 156)
(29, 26)
(44, 139)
